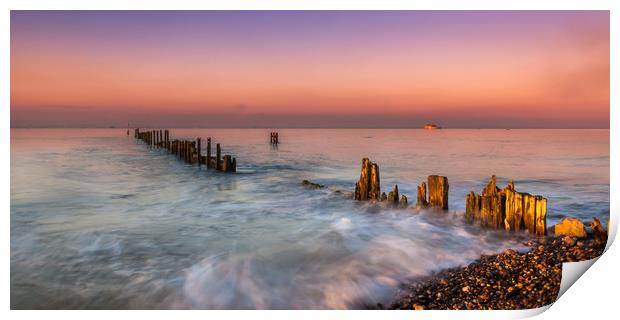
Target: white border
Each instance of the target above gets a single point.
(593, 296)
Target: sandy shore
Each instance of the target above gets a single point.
(509, 280)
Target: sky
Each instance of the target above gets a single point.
(388, 69)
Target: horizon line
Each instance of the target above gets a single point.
(311, 127)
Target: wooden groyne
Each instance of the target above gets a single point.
(507, 208)
(188, 150)
(495, 208)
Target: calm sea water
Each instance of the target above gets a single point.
(99, 220)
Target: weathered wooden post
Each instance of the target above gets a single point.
(188, 148)
(472, 206)
(404, 202)
(422, 195)
(226, 163)
(492, 205)
(209, 152)
(514, 210)
(167, 141)
(541, 216)
(368, 187)
(188, 154)
(273, 137)
(438, 191)
(199, 151)
(392, 197)
(529, 213)
(192, 152)
(218, 156)
(189, 151)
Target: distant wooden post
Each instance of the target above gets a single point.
(168, 140)
(199, 151)
(209, 152)
(192, 151)
(218, 157)
(185, 154)
(226, 163)
(273, 137)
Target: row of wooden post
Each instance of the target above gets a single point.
(507, 209)
(274, 137)
(188, 151)
(495, 208)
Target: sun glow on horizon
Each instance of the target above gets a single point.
(515, 69)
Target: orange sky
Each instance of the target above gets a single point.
(459, 69)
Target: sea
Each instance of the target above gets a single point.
(100, 220)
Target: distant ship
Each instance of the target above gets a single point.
(430, 126)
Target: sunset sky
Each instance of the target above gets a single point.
(310, 68)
